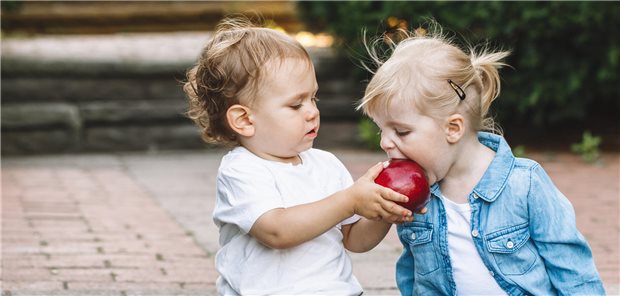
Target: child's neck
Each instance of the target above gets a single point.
(294, 160)
(471, 163)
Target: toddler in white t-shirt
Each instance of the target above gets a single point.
(286, 212)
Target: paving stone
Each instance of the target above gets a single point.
(144, 232)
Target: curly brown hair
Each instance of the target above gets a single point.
(228, 73)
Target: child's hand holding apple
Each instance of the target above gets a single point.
(406, 177)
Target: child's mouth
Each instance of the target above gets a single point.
(312, 133)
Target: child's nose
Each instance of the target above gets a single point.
(385, 143)
(312, 113)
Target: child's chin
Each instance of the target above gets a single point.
(307, 146)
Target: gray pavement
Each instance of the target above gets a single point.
(140, 223)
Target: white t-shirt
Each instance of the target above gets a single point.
(470, 274)
(249, 186)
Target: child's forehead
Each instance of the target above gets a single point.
(287, 64)
(288, 68)
(289, 77)
(394, 109)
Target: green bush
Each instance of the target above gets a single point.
(519, 151)
(565, 54)
(369, 133)
(588, 148)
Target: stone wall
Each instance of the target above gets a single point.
(105, 17)
(62, 103)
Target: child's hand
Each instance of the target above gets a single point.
(376, 202)
(402, 219)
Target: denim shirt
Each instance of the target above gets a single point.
(522, 226)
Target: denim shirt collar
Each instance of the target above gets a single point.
(496, 176)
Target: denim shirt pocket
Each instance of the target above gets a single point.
(419, 239)
(511, 250)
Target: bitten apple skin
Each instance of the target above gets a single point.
(406, 177)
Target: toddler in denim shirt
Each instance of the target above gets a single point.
(496, 224)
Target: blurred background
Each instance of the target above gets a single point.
(106, 76)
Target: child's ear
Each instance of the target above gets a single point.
(455, 128)
(239, 120)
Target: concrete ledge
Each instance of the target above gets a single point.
(110, 112)
(135, 137)
(124, 92)
(36, 115)
(84, 17)
(39, 141)
(76, 89)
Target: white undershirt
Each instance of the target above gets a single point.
(470, 274)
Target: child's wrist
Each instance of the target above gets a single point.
(348, 200)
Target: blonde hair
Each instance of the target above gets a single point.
(419, 70)
(228, 72)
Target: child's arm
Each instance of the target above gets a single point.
(288, 227)
(364, 235)
(566, 253)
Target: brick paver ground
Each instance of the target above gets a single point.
(84, 226)
(140, 224)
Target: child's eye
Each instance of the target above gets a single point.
(402, 133)
(298, 106)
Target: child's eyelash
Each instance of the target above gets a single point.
(298, 106)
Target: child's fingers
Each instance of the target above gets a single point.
(374, 171)
(400, 219)
(392, 195)
(395, 209)
(378, 214)
(423, 210)
(395, 219)
(389, 197)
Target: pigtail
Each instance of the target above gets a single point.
(486, 65)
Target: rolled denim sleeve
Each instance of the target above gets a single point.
(567, 256)
(404, 270)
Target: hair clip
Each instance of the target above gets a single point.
(459, 91)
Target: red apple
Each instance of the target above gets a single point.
(408, 178)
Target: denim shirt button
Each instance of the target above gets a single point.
(413, 235)
(492, 273)
(510, 245)
(474, 233)
(476, 196)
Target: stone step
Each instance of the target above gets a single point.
(101, 17)
(124, 92)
